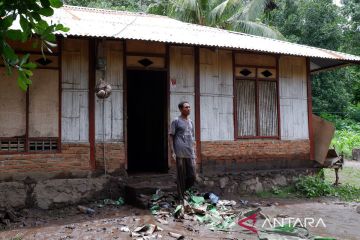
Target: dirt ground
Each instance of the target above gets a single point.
(341, 220)
(350, 174)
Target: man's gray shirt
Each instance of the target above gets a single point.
(183, 134)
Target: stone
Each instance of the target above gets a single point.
(358, 209)
(223, 182)
(279, 180)
(258, 187)
(356, 154)
(12, 194)
(56, 192)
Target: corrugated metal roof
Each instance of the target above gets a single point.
(126, 25)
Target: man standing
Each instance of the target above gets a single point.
(182, 146)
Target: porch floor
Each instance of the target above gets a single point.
(140, 187)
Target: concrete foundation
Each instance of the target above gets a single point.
(251, 181)
(58, 192)
(54, 193)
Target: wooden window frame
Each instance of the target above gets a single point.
(26, 137)
(256, 79)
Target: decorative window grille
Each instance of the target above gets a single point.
(256, 90)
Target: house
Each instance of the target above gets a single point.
(250, 98)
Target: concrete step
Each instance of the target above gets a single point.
(141, 187)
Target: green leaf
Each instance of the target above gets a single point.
(21, 80)
(28, 73)
(36, 16)
(15, 35)
(24, 59)
(60, 27)
(41, 26)
(24, 23)
(9, 54)
(56, 3)
(45, 3)
(47, 12)
(5, 23)
(29, 65)
(49, 37)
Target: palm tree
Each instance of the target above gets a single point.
(236, 15)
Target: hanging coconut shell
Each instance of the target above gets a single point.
(103, 89)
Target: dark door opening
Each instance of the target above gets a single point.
(147, 121)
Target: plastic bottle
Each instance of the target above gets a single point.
(213, 198)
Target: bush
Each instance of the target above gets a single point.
(345, 141)
(313, 186)
(316, 186)
(354, 112)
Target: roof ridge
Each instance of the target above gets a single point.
(102, 10)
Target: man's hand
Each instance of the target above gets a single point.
(173, 155)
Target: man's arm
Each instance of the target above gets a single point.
(171, 142)
(194, 138)
(171, 138)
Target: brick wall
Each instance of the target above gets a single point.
(114, 154)
(232, 156)
(73, 160)
(219, 156)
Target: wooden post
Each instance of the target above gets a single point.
(309, 99)
(197, 107)
(92, 76)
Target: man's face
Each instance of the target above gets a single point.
(185, 109)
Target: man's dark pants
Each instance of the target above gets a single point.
(185, 174)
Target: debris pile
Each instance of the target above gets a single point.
(206, 209)
(223, 215)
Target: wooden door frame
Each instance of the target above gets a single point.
(125, 103)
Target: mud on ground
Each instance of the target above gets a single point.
(341, 220)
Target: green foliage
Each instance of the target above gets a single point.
(313, 186)
(345, 141)
(341, 123)
(331, 92)
(29, 14)
(351, 11)
(321, 23)
(236, 15)
(128, 5)
(310, 22)
(316, 186)
(347, 192)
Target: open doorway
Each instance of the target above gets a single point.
(147, 121)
